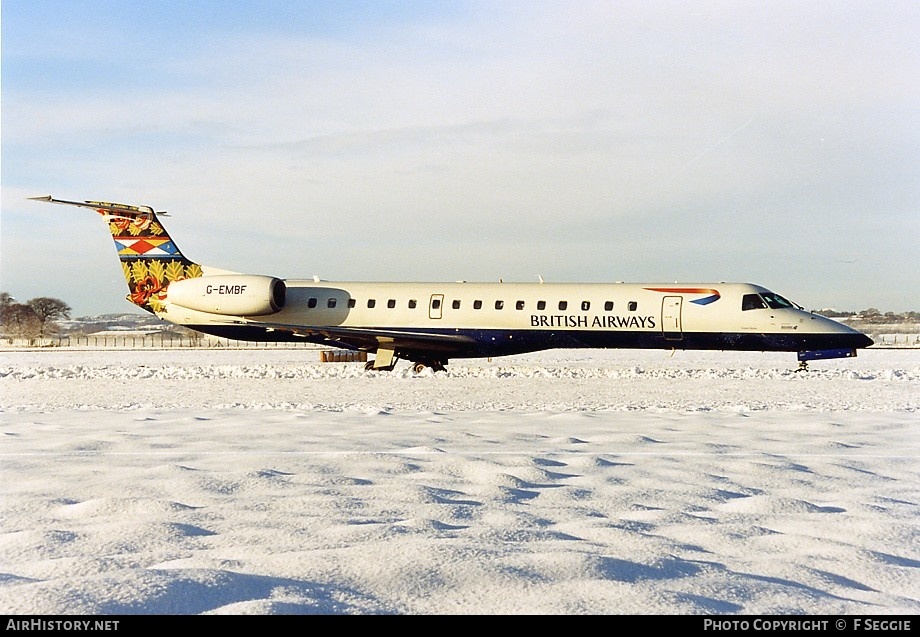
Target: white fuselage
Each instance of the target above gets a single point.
(514, 317)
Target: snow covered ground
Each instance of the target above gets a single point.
(263, 481)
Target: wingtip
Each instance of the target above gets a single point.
(41, 198)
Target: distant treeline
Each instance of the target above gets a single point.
(874, 316)
(33, 319)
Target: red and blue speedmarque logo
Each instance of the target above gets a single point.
(712, 295)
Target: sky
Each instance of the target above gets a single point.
(775, 143)
(233, 481)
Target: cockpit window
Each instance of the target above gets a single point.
(753, 302)
(776, 302)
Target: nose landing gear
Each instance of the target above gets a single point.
(821, 354)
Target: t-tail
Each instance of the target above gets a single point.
(149, 258)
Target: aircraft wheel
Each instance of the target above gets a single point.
(418, 368)
(369, 366)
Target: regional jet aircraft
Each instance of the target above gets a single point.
(430, 323)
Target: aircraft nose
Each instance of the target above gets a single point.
(861, 340)
(849, 336)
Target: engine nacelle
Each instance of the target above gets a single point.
(229, 294)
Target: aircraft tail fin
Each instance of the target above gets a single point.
(149, 258)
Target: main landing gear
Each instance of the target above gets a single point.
(803, 366)
(417, 367)
(436, 366)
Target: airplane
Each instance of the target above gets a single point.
(430, 323)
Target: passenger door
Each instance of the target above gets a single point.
(670, 318)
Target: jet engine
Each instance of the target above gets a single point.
(229, 294)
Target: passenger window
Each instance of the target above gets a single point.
(563, 305)
(608, 306)
(435, 304)
(330, 303)
(541, 305)
(412, 304)
(585, 306)
(752, 302)
(632, 306)
(455, 305)
(371, 302)
(351, 302)
(519, 305)
(477, 305)
(391, 303)
(499, 305)
(311, 302)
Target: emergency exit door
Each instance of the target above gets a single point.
(436, 306)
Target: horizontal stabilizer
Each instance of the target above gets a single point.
(102, 205)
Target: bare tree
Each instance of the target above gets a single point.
(5, 302)
(48, 310)
(20, 320)
(8, 314)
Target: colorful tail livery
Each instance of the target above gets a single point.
(430, 323)
(149, 258)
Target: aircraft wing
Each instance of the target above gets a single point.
(403, 341)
